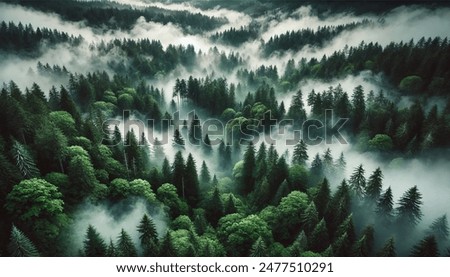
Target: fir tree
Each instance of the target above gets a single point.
(408, 211)
(20, 245)
(94, 245)
(214, 208)
(167, 247)
(125, 245)
(190, 183)
(439, 229)
(24, 161)
(358, 181)
(427, 247)
(178, 173)
(374, 186)
(148, 236)
(300, 155)
(319, 239)
(384, 209)
(248, 174)
(230, 206)
(310, 218)
(205, 176)
(207, 148)
(178, 140)
(259, 248)
(388, 250)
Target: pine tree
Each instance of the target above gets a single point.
(190, 182)
(364, 246)
(227, 158)
(342, 246)
(125, 246)
(24, 161)
(358, 181)
(111, 250)
(300, 155)
(195, 131)
(248, 174)
(427, 247)
(310, 218)
(178, 173)
(261, 164)
(408, 211)
(299, 245)
(214, 208)
(359, 107)
(388, 249)
(384, 209)
(158, 150)
(20, 245)
(439, 229)
(167, 247)
(316, 171)
(340, 166)
(374, 186)
(148, 236)
(348, 228)
(230, 206)
(322, 197)
(205, 176)
(166, 172)
(319, 239)
(339, 207)
(261, 195)
(259, 249)
(94, 245)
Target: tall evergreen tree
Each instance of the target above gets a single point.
(388, 249)
(166, 171)
(259, 248)
(358, 181)
(207, 148)
(230, 206)
(178, 173)
(248, 174)
(111, 250)
(310, 218)
(319, 239)
(359, 107)
(409, 208)
(148, 236)
(439, 229)
(20, 245)
(214, 208)
(316, 171)
(205, 176)
(328, 165)
(190, 182)
(167, 247)
(125, 245)
(374, 186)
(24, 161)
(322, 197)
(94, 245)
(385, 207)
(364, 245)
(300, 155)
(427, 247)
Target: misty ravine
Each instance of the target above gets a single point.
(224, 128)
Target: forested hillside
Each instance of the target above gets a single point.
(136, 128)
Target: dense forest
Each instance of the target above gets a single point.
(237, 130)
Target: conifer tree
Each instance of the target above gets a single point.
(20, 245)
(248, 174)
(319, 239)
(409, 208)
(214, 208)
(310, 218)
(167, 247)
(427, 247)
(205, 176)
(374, 186)
(259, 248)
(358, 181)
(300, 155)
(190, 182)
(125, 246)
(148, 236)
(384, 209)
(388, 250)
(94, 245)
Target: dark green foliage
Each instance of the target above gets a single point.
(259, 248)
(439, 229)
(310, 218)
(148, 236)
(190, 184)
(248, 174)
(384, 209)
(427, 247)
(125, 246)
(230, 206)
(214, 208)
(388, 249)
(363, 247)
(20, 245)
(358, 181)
(374, 186)
(178, 170)
(322, 197)
(205, 176)
(167, 248)
(409, 208)
(316, 171)
(24, 161)
(319, 239)
(94, 245)
(111, 250)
